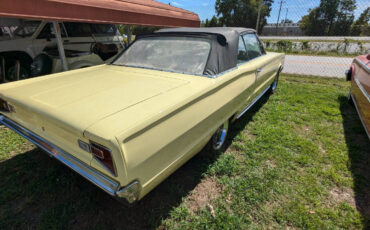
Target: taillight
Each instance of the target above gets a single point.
(101, 153)
(104, 155)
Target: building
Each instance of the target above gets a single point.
(285, 29)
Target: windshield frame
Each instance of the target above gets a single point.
(23, 24)
(139, 37)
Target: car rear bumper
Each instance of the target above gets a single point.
(127, 194)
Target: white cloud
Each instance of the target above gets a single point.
(176, 4)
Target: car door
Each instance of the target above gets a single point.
(248, 75)
(46, 38)
(80, 36)
(265, 70)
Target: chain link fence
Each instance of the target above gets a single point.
(320, 37)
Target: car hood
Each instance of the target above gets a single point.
(82, 97)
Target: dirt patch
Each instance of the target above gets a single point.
(249, 136)
(303, 130)
(343, 195)
(237, 154)
(322, 150)
(206, 191)
(270, 164)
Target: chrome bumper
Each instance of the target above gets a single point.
(128, 194)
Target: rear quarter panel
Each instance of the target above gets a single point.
(360, 87)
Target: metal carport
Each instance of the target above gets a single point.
(128, 12)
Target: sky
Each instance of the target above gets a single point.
(296, 8)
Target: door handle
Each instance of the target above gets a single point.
(259, 70)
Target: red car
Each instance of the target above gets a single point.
(359, 75)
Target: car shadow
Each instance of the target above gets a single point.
(37, 191)
(358, 146)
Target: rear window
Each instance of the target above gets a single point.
(76, 29)
(104, 29)
(177, 54)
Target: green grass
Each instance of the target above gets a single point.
(298, 159)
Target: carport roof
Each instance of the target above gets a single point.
(131, 12)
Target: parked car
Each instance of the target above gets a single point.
(359, 96)
(128, 125)
(24, 40)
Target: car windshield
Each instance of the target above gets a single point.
(26, 28)
(177, 54)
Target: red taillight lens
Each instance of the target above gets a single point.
(104, 156)
(4, 106)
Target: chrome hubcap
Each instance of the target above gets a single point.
(219, 137)
(274, 84)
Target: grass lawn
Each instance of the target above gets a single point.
(298, 159)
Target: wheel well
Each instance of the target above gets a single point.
(280, 68)
(23, 57)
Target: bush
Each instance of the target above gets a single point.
(305, 45)
(284, 45)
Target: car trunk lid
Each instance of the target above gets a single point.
(60, 107)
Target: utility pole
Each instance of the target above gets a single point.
(286, 15)
(259, 15)
(277, 23)
(286, 18)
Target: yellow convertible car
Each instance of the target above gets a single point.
(128, 125)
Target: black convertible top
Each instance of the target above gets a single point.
(229, 33)
(224, 45)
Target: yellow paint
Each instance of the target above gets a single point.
(153, 121)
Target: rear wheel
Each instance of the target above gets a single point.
(218, 140)
(275, 83)
(24, 73)
(41, 65)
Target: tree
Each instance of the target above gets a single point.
(331, 17)
(213, 22)
(311, 24)
(361, 26)
(286, 21)
(242, 13)
(137, 30)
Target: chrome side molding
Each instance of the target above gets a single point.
(252, 103)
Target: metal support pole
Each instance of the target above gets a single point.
(128, 33)
(62, 55)
(17, 70)
(259, 15)
(3, 69)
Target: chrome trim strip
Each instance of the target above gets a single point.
(367, 68)
(362, 90)
(81, 168)
(359, 115)
(252, 103)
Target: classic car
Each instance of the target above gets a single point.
(359, 96)
(128, 125)
(24, 40)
